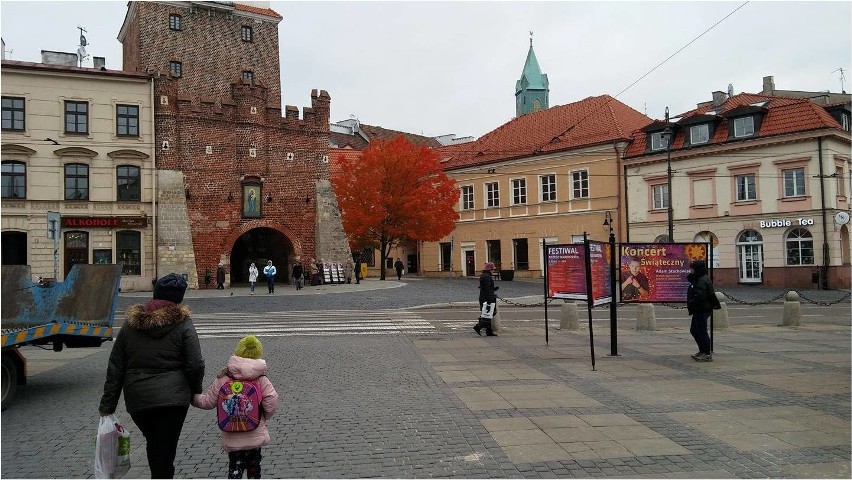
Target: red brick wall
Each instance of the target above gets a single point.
(209, 45)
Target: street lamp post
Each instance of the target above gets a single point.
(613, 316)
(668, 134)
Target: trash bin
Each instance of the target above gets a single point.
(507, 275)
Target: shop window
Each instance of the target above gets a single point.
(76, 249)
(522, 253)
(446, 256)
(128, 252)
(14, 180)
(76, 181)
(14, 246)
(128, 183)
(800, 247)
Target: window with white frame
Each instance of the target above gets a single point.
(548, 188)
(519, 191)
(800, 247)
(794, 182)
(492, 194)
(467, 197)
(660, 196)
(580, 184)
(659, 141)
(746, 189)
(743, 127)
(699, 134)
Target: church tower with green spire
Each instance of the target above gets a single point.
(532, 92)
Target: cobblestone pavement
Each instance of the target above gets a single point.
(443, 402)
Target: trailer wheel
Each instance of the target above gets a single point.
(8, 380)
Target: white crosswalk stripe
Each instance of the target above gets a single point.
(283, 324)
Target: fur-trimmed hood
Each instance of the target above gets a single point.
(157, 317)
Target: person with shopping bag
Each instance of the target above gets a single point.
(156, 361)
(487, 301)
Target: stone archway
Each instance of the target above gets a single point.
(259, 245)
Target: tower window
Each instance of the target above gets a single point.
(174, 22)
(247, 34)
(176, 68)
(248, 76)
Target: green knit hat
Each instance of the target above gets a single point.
(249, 347)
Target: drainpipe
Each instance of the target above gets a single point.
(154, 176)
(626, 208)
(618, 212)
(824, 222)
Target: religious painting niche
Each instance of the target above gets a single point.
(251, 200)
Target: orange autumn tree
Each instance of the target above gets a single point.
(396, 191)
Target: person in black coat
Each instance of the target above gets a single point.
(399, 267)
(156, 361)
(486, 295)
(357, 269)
(220, 277)
(298, 271)
(700, 302)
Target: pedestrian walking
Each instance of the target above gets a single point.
(156, 360)
(252, 277)
(220, 277)
(269, 270)
(700, 302)
(487, 295)
(398, 265)
(320, 272)
(244, 398)
(357, 269)
(298, 271)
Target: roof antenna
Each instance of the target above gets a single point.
(842, 79)
(531, 34)
(81, 50)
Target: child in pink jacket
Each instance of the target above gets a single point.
(244, 447)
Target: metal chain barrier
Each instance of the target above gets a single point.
(745, 302)
(516, 304)
(844, 298)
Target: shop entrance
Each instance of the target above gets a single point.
(76, 249)
(750, 256)
(259, 245)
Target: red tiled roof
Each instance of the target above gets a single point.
(384, 134)
(783, 115)
(343, 140)
(591, 121)
(260, 11)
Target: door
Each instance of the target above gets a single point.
(469, 263)
(750, 257)
(76, 249)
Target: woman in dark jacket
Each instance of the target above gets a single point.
(156, 360)
(486, 295)
(700, 302)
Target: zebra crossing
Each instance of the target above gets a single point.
(316, 323)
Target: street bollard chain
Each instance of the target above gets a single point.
(516, 304)
(826, 303)
(745, 302)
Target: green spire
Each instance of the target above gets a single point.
(532, 89)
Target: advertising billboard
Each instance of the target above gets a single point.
(656, 272)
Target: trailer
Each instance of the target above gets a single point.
(76, 313)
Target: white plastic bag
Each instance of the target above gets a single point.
(112, 449)
(487, 311)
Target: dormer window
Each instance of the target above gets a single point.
(743, 127)
(659, 141)
(844, 122)
(699, 134)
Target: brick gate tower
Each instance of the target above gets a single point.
(237, 182)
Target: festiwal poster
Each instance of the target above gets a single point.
(656, 272)
(566, 272)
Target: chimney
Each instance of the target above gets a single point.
(59, 58)
(768, 85)
(719, 98)
(99, 62)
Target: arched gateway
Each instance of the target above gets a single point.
(259, 245)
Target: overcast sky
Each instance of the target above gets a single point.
(450, 67)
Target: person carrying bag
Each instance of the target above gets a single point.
(487, 301)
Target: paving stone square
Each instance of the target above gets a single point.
(651, 392)
(805, 383)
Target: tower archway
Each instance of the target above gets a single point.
(259, 245)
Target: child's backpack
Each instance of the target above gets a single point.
(238, 405)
